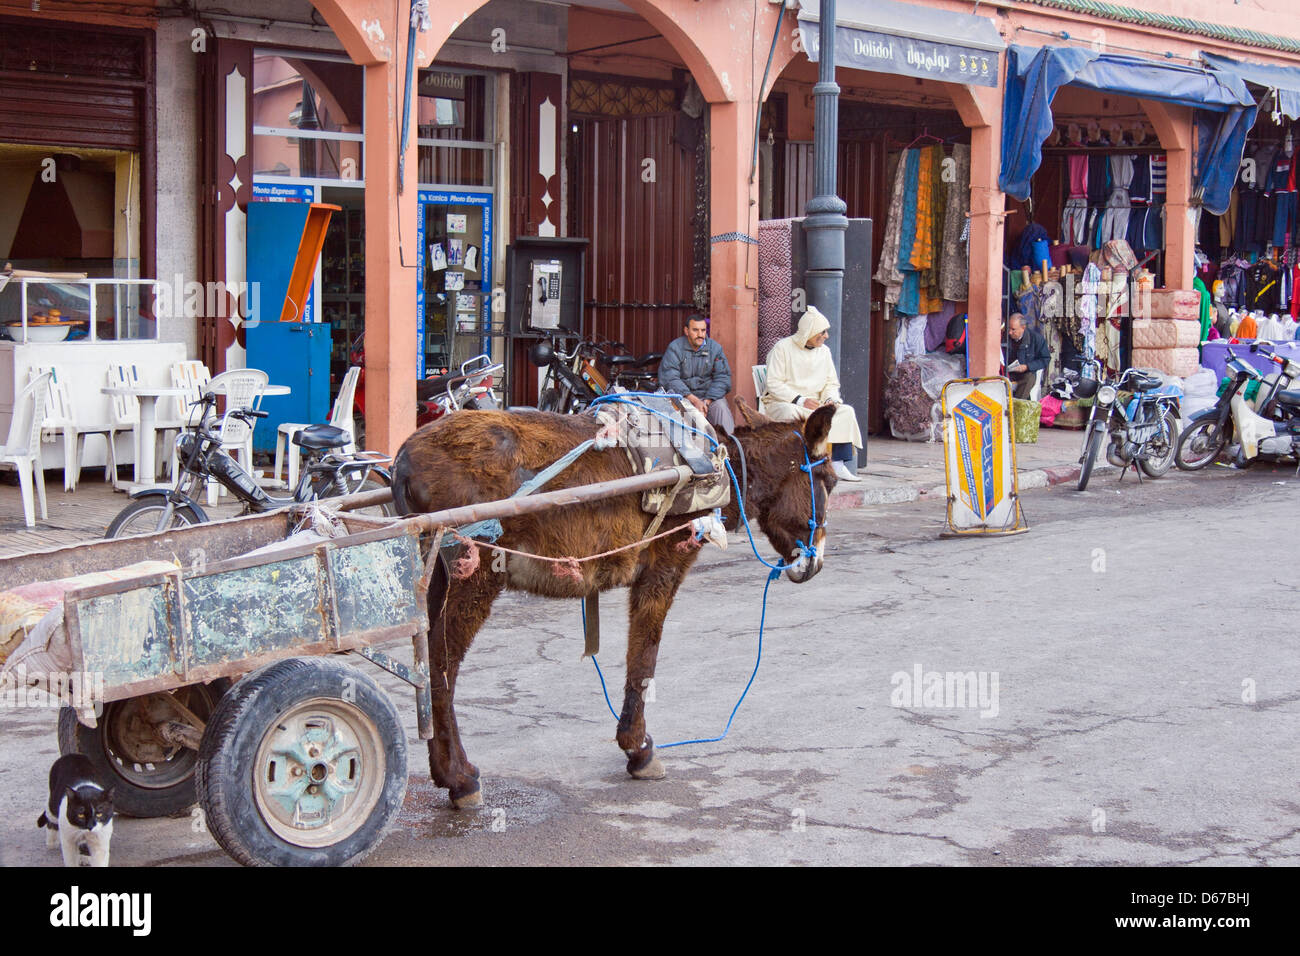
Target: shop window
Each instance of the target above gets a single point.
(307, 118)
(455, 129)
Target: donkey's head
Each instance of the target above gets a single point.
(790, 479)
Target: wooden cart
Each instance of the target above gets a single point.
(220, 680)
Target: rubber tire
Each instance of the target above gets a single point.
(1188, 436)
(230, 746)
(1091, 448)
(1160, 467)
(129, 798)
(184, 515)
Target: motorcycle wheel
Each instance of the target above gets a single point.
(1165, 449)
(549, 400)
(143, 515)
(1091, 448)
(1200, 445)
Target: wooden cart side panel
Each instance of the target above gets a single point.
(126, 636)
(374, 583)
(257, 610)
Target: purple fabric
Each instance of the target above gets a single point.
(936, 326)
(1214, 356)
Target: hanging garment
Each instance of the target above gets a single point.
(887, 274)
(1139, 189)
(1115, 221)
(954, 252)
(1074, 221)
(910, 295)
(1077, 172)
(1228, 221)
(1159, 177)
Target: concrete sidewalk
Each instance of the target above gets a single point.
(895, 471)
(898, 471)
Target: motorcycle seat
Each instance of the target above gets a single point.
(649, 358)
(1291, 398)
(621, 360)
(426, 388)
(1141, 381)
(316, 437)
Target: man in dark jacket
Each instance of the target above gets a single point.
(1027, 355)
(695, 366)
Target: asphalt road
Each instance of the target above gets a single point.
(1140, 701)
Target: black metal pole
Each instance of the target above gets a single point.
(825, 222)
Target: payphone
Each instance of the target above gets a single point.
(544, 303)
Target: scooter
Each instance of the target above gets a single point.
(1212, 429)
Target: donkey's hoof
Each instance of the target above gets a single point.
(653, 770)
(467, 800)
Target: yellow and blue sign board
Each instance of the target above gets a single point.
(980, 457)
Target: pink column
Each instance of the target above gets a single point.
(981, 110)
(733, 262)
(1173, 124)
(390, 286)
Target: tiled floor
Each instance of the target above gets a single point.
(76, 516)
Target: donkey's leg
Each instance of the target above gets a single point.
(651, 596)
(452, 630)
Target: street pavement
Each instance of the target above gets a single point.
(1137, 696)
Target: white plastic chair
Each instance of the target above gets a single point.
(61, 420)
(23, 449)
(1036, 392)
(340, 417)
(242, 388)
(125, 412)
(760, 384)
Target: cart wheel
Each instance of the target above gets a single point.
(150, 777)
(303, 764)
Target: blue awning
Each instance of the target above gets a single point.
(888, 37)
(1282, 80)
(1035, 74)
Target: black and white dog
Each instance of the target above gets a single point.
(80, 813)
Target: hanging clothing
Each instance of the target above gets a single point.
(887, 273)
(910, 295)
(954, 252)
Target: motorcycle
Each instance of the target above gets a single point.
(201, 459)
(575, 378)
(436, 395)
(1143, 429)
(1212, 430)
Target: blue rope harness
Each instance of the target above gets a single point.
(807, 551)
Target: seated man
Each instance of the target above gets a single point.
(801, 378)
(1027, 354)
(695, 367)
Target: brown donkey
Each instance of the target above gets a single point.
(475, 456)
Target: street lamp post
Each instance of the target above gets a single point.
(825, 222)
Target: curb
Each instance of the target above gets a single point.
(1028, 480)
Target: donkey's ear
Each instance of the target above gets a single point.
(817, 430)
(752, 417)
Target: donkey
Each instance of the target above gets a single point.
(475, 456)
